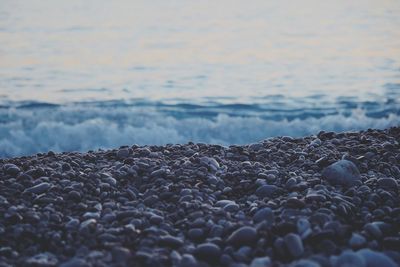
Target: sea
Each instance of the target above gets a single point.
(87, 75)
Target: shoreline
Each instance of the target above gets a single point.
(322, 200)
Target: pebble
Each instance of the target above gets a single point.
(388, 183)
(196, 234)
(11, 169)
(208, 252)
(171, 241)
(266, 191)
(72, 224)
(187, 261)
(349, 258)
(357, 241)
(39, 188)
(373, 230)
(303, 225)
(245, 235)
(232, 207)
(376, 259)
(294, 245)
(74, 196)
(45, 259)
(305, 263)
(123, 153)
(264, 214)
(210, 162)
(150, 200)
(343, 172)
(75, 262)
(121, 255)
(261, 262)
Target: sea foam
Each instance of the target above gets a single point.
(27, 129)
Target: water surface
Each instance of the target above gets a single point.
(79, 75)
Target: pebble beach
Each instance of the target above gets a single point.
(330, 199)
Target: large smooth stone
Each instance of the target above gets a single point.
(343, 172)
(208, 252)
(264, 214)
(376, 259)
(266, 191)
(261, 262)
(39, 188)
(243, 236)
(294, 245)
(349, 258)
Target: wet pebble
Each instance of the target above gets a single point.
(376, 259)
(39, 188)
(294, 245)
(45, 259)
(349, 258)
(343, 173)
(208, 252)
(264, 214)
(266, 191)
(245, 235)
(388, 183)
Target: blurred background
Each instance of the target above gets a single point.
(82, 75)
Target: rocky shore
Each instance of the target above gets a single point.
(326, 200)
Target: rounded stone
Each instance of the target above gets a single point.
(243, 236)
(45, 259)
(305, 263)
(123, 153)
(11, 169)
(196, 234)
(343, 172)
(232, 207)
(264, 214)
(349, 258)
(74, 195)
(294, 244)
(376, 259)
(75, 262)
(303, 225)
(374, 230)
(266, 191)
(388, 183)
(187, 261)
(261, 262)
(39, 188)
(170, 241)
(357, 241)
(208, 252)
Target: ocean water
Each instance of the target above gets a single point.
(82, 75)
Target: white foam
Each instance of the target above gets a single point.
(28, 132)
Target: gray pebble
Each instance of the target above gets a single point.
(349, 258)
(75, 262)
(245, 235)
(376, 259)
(123, 153)
(264, 214)
(357, 241)
(45, 259)
(39, 188)
(261, 262)
(388, 183)
(343, 172)
(208, 252)
(266, 191)
(294, 244)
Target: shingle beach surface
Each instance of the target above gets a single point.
(326, 200)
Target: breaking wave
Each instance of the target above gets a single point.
(29, 128)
